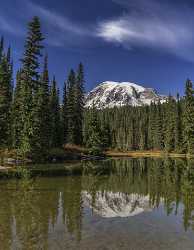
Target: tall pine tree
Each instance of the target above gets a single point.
(41, 118)
(71, 108)
(56, 135)
(29, 85)
(188, 119)
(5, 102)
(79, 104)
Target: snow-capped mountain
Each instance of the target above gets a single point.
(111, 94)
(110, 205)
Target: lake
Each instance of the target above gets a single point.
(128, 204)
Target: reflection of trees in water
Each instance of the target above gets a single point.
(170, 181)
(72, 206)
(29, 214)
(32, 211)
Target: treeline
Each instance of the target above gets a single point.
(32, 118)
(168, 126)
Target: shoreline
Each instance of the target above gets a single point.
(115, 154)
(158, 154)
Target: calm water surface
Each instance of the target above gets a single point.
(130, 204)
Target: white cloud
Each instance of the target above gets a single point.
(156, 26)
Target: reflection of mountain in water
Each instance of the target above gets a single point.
(111, 204)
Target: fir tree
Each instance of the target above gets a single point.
(105, 135)
(71, 108)
(64, 113)
(158, 136)
(188, 119)
(5, 103)
(151, 126)
(32, 54)
(79, 104)
(29, 84)
(94, 142)
(56, 133)
(41, 118)
(169, 138)
(178, 127)
(1, 48)
(17, 113)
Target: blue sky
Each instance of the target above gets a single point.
(149, 42)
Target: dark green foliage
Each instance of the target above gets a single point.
(1, 48)
(169, 137)
(155, 127)
(64, 114)
(5, 102)
(41, 118)
(29, 83)
(16, 113)
(94, 142)
(178, 127)
(188, 119)
(71, 108)
(32, 54)
(79, 104)
(56, 135)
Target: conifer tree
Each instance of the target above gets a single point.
(64, 114)
(130, 135)
(151, 126)
(1, 48)
(16, 113)
(29, 83)
(158, 135)
(105, 135)
(79, 104)
(94, 142)
(55, 132)
(169, 138)
(32, 54)
(41, 118)
(188, 119)
(5, 103)
(143, 130)
(178, 127)
(71, 108)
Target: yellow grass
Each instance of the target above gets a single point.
(115, 153)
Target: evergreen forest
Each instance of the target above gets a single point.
(36, 118)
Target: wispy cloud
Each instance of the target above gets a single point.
(152, 24)
(56, 20)
(9, 26)
(61, 30)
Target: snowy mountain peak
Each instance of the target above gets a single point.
(110, 94)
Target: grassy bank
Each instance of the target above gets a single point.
(115, 153)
